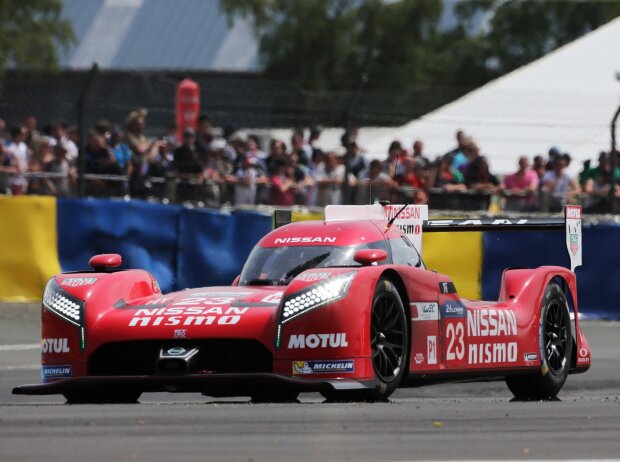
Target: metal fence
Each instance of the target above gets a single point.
(230, 99)
(197, 192)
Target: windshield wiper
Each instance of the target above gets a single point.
(304, 266)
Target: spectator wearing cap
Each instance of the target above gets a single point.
(134, 131)
(187, 168)
(559, 187)
(315, 134)
(521, 188)
(553, 153)
(217, 169)
(100, 160)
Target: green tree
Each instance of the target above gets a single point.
(30, 33)
(520, 31)
(333, 44)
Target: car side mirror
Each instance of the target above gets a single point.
(104, 261)
(368, 257)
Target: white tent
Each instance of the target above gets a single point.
(565, 99)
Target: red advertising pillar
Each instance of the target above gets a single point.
(187, 106)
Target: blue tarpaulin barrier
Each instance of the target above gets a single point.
(598, 280)
(144, 234)
(185, 247)
(180, 247)
(213, 246)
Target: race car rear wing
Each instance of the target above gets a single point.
(413, 221)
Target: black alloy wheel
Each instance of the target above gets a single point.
(555, 350)
(388, 336)
(556, 337)
(389, 346)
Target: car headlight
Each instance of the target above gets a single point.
(63, 304)
(314, 296)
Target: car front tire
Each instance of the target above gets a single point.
(389, 346)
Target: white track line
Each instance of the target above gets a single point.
(20, 347)
(21, 367)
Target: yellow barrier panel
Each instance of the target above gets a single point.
(458, 255)
(306, 216)
(29, 255)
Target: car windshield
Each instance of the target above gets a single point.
(279, 265)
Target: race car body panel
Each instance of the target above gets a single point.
(299, 315)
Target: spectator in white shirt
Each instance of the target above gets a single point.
(19, 151)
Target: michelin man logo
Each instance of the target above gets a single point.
(302, 367)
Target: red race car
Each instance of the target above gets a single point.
(344, 306)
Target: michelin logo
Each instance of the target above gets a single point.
(55, 372)
(322, 367)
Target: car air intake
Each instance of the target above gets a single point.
(145, 357)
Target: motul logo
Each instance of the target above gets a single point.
(317, 341)
(305, 239)
(55, 345)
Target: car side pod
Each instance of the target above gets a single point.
(105, 261)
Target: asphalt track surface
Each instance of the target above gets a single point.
(439, 422)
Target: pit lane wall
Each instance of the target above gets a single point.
(185, 247)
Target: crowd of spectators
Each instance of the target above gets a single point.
(213, 168)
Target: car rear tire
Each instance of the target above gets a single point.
(102, 397)
(556, 349)
(389, 346)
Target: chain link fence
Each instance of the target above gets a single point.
(249, 100)
(230, 99)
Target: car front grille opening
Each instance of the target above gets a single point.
(214, 356)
